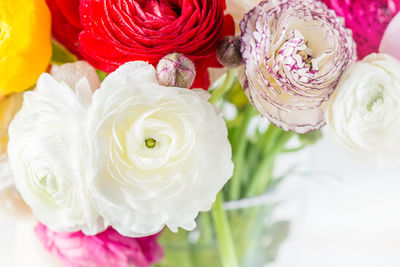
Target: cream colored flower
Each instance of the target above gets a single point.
(363, 113)
(48, 155)
(294, 54)
(136, 155)
(237, 8)
(161, 154)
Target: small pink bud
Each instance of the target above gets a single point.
(176, 70)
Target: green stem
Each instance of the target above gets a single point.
(238, 157)
(224, 234)
(263, 174)
(205, 228)
(270, 139)
(220, 91)
(221, 224)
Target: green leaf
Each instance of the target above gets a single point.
(61, 55)
(102, 75)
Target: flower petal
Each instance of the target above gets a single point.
(390, 43)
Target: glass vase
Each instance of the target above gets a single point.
(256, 235)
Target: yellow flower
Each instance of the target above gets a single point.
(25, 44)
(9, 106)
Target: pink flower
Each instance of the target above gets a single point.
(108, 248)
(367, 18)
(391, 39)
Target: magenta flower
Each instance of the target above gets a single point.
(367, 18)
(108, 248)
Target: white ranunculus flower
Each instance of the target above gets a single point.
(161, 154)
(363, 113)
(47, 152)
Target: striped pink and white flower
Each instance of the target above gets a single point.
(294, 53)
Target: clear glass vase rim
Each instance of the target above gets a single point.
(268, 198)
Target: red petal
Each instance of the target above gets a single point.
(117, 31)
(65, 23)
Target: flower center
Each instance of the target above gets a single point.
(150, 142)
(307, 59)
(160, 12)
(377, 100)
(296, 56)
(47, 182)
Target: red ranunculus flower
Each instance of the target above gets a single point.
(118, 31)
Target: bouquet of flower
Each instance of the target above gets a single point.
(119, 124)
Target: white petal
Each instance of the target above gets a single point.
(363, 112)
(139, 190)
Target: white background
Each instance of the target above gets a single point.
(346, 214)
